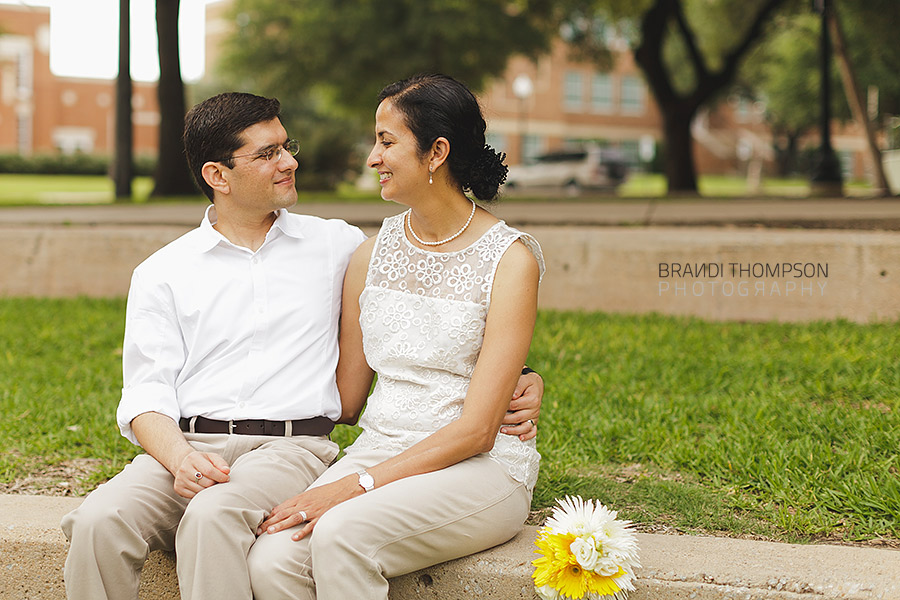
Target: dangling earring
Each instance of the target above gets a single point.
(430, 179)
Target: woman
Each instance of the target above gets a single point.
(442, 305)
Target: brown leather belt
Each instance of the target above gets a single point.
(313, 426)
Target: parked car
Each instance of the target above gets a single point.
(590, 167)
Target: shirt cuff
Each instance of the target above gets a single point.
(148, 397)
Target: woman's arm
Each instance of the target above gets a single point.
(510, 324)
(354, 376)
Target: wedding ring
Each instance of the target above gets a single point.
(303, 518)
(532, 422)
(198, 475)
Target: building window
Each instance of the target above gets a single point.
(632, 95)
(533, 146)
(23, 134)
(497, 141)
(846, 159)
(630, 150)
(572, 91)
(23, 73)
(71, 140)
(69, 98)
(601, 93)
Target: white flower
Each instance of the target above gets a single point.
(603, 546)
(585, 551)
(547, 592)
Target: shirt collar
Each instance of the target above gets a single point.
(287, 225)
(210, 238)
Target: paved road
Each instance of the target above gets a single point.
(836, 213)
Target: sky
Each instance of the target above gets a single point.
(84, 37)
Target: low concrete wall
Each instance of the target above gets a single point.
(714, 273)
(722, 273)
(32, 554)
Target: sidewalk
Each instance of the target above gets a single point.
(837, 213)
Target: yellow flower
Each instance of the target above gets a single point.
(555, 557)
(559, 568)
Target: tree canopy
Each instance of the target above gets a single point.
(353, 48)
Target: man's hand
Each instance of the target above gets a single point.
(198, 471)
(525, 407)
(161, 438)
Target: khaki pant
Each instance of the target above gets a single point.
(406, 525)
(137, 511)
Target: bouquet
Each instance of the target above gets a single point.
(586, 553)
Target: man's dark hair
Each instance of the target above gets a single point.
(212, 129)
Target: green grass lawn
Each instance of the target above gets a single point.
(17, 190)
(64, 189)
(778, 431)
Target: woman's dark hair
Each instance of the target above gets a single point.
(439, 106)
(212, 129)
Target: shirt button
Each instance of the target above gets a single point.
(242, 405)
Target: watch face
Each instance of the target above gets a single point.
(366, 481)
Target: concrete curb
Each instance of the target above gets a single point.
(32, 553)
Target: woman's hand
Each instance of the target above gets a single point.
(525, 407)
(307, 507)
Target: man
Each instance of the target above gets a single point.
(229, 369)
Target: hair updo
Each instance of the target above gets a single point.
(437, 106)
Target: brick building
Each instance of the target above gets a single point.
(41, 113)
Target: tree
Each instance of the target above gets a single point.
(327, 61)
(689, 52)
(784, 71)
(123, 168)
(855, 98)
(172, 176)
(784, 74)
(349, 49)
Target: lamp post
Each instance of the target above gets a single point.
(826, 175)
(522, 88)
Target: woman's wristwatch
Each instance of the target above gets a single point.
(366, 481)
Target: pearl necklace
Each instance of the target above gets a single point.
(449, 239)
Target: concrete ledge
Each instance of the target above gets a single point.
(852, 274)
(32, 553)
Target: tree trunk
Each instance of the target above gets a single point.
(172, 176)
(786, 158)
(855, 99)
(122, 167)
(679, 167)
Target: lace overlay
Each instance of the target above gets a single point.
(423, 318)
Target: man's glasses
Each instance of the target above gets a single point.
(274, 153)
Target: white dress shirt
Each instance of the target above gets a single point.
(215, 330)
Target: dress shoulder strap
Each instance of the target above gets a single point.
(495, 245)
(387, 241)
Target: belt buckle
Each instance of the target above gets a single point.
(231, 427)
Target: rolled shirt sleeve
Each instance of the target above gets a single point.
(153, 354)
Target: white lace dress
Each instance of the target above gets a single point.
(423, 318)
